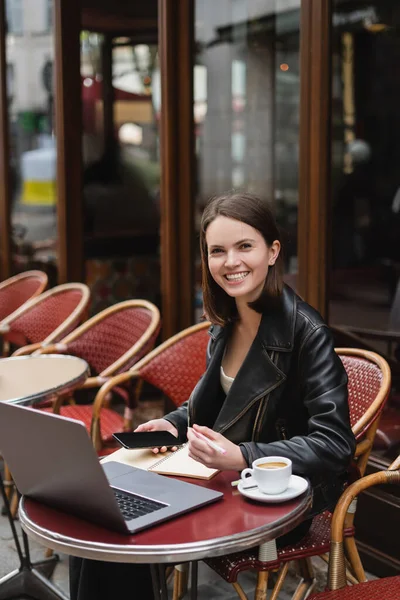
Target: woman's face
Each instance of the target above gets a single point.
(239, 258)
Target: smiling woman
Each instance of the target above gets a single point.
(274, 385)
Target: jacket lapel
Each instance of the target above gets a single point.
(259, 374)
(256, 378)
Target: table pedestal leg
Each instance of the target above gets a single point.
(159, 582)
(29, 579)
(193, 580)
(28, 582)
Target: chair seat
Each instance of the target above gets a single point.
(110, 422)
(316, 542)
(378, 589)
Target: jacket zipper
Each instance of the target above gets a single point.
(263, 406)
(266, 395)
(281, 429)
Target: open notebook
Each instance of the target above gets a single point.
(176, 463)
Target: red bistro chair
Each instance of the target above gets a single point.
(174, 367)
(369, 385)
(387, 588)
(111, 342)
(47, 318)
(17, 290)
(39, 322)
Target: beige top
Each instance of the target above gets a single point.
(226, 381)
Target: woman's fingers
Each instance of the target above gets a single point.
(198, 449)
(164, 449)
(210, 433)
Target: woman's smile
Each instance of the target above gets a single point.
(235, 278)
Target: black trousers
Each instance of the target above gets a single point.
(96, 580)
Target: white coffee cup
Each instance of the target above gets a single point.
(271, 473)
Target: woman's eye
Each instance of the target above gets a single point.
(245, 246)
(216, 251)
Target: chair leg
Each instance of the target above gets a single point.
(262, 585)
(307, 582)
(8, 481)
(239, 591)
(354, 559)
(180, 581)
(279, 582)
(349, 576)
(14, 504)
(6, 349)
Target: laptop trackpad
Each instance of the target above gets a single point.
(134, 480)
(116, 469)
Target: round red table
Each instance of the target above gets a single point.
(229, 525)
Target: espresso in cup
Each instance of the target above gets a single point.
(271, 465)
(271, 473)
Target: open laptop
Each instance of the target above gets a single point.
(53, 461)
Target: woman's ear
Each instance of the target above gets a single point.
(274, 250)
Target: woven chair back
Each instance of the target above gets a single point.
(176, 369)
(365, 380)
(111, 337)
(44, 316)
(15, 291)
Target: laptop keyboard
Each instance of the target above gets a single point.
(132, 506)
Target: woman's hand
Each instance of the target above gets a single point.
(199, 450)
(159, 425)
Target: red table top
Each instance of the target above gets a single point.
(231, 524)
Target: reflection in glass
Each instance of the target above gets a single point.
(30, 54)
(246, 107)
(365, 288)
(121, 172)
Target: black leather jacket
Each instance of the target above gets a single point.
(288, 399)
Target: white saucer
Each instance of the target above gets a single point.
(297, 485)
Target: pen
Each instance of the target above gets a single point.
(210, 442)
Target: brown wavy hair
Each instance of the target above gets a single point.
(220, 308)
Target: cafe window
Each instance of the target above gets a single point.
(30, 55)
(246, 109)
(121, 170)
(365, 277)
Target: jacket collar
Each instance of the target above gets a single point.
(259, 374)
(276, 331)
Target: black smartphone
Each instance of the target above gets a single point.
(146, 439)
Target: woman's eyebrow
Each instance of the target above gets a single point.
(238, 243)
(244, 241)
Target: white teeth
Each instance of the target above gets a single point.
(236, 276)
